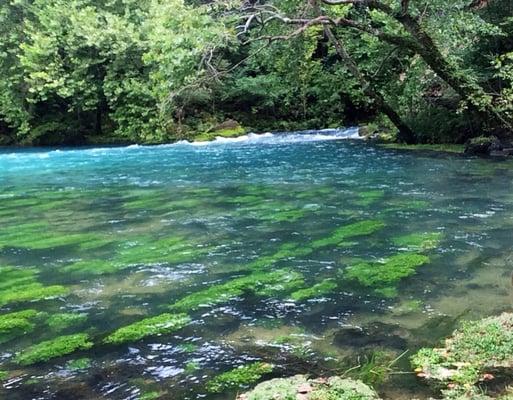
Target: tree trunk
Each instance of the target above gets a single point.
(450, 73)
(405, 135)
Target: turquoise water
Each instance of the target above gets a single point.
(399, 245)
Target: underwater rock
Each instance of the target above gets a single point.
(299, 387)
(377, 334)
(483, 145)
(476, 353)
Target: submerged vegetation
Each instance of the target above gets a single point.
(238, 377)
(382, 277)
(53, 348)
(164, 323)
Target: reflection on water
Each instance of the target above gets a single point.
(307, 253)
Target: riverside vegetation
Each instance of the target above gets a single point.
(153, 71)
(289, 258)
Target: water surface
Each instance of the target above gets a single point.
(127, 233)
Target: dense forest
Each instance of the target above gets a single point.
(152, 71)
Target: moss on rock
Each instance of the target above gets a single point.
(300, 386)
(54, 348)
(475, 352)
(164, 323)
(238, 377)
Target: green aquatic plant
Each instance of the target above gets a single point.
(39, 240)
(61, 321)
(242, 376)
(476, 351)
(11, 277)
(149, 395)
(87, 268)
(175, 249)
(32, 292)
(54, 348)
(224, 292)
(383, 276)
(369, 197)
(315, 291)
(161, 324)
(191, 367)
(16, 324)
(3, 375)
(418, 241)
(79, 364)
(362, 228)
(188, 347)
(286, 251)
(291, 281)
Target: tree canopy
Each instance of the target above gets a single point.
(150, 71)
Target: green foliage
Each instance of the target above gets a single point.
(154, 326)
(61, 321)
(57, 347)
(242, 376)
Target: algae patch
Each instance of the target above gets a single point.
(235, 378)
(57, 347)
(315, 291)
(164, 323)
(382, 277)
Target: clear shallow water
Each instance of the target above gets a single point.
(123, 234)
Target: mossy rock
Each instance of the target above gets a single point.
(477, 351)
(161, 324)
(228, 129)
(299, 387)
(54, 348)
(238, 377)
